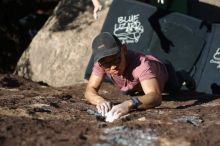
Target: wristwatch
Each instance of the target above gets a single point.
(135, 102)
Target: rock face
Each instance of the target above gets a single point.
(211, 2)
(33, 114)
(59, 53)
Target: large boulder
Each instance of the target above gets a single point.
(59, 53)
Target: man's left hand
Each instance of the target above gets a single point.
(117, 111)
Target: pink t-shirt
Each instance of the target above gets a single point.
(139, 67)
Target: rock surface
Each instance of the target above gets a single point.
(33, 114)
(59, 53)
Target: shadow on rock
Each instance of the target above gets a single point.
(199, 97)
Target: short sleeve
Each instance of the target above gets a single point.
(97, 70)
(154, 69)
(147, 71)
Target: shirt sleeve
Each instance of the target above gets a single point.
(147, 71)
(97, 70)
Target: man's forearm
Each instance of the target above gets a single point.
(150, 100)
(93, 97)
(147, 101)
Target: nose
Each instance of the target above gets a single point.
(113, 70)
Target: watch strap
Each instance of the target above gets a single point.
(135, 102)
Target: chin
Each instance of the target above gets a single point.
(119, 74)
(116, 74)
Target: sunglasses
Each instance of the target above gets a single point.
(110, 61)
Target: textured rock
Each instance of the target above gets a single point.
(211, 2)
(59, 53)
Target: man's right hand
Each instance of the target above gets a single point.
(103, 107)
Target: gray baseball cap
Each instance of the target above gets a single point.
(105, 44)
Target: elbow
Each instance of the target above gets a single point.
(89, 93)
(86, 95)
(158, 101)
(154, 100)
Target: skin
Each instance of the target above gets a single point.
(97, 7)
(151, 88)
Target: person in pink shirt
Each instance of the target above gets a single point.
(132, 72)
